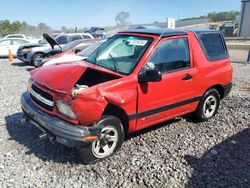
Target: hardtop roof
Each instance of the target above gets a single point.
(168, 32)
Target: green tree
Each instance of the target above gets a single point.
(122, 17)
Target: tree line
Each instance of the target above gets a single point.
(6, 27)
(217, 16)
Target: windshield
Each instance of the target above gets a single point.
(89, 49)
(120, 53)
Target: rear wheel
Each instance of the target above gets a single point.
(37, 59)
(110, 141)
(208, 105)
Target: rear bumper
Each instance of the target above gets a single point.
(64, 132)
(227, 89)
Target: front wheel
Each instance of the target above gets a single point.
(208, 105)
(37, 59)
(110, 141)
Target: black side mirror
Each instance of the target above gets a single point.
(77, 50)
(151, 75)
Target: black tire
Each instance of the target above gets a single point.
(203, 111)
(34, 61)
(87, 153)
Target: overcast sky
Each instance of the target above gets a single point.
(83, 13)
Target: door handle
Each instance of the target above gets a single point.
(187, 77)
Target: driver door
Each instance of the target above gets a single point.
(174, 94)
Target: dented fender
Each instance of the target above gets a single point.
(88, 107)
(86, 101)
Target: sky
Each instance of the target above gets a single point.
(87, 13)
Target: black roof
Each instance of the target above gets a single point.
(167, 32)
(159, 32)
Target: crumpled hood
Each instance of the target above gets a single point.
(59, 78)
(63, 59)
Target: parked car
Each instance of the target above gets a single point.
(61, 50)
(83, 51)
(34, 53)
(134, 80)
(97, 32)
(22, 36)
(11, 44)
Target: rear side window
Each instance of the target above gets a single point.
(213, 46)
(74, 37)
(86, 37)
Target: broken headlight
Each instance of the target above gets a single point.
(65, 109)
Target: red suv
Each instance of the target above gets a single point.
(134, 80)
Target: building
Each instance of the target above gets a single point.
(244, 30)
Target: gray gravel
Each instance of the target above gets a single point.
(177, 153)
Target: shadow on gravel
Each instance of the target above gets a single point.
(225, 165)
(152, 128)
(27, 135)
(22, 64)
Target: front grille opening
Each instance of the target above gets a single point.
(43, 94)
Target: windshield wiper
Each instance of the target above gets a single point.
(114, 62)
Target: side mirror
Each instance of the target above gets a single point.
(151, 75)
(76, 50)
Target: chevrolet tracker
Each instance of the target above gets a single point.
(134, 80)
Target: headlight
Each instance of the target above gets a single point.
(65, 110)
(26, 50)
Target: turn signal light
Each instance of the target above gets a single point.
(90, 138)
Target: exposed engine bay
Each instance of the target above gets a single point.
(90, 78)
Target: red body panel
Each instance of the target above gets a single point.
(135, 98)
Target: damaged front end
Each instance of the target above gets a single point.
(72, 90)
(63, 101)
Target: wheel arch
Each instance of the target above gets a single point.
(219, 88)
(112, 109)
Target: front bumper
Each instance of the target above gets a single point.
(21, 55)
(64, 132)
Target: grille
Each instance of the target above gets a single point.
(41, 98)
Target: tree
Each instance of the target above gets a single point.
(122, 17)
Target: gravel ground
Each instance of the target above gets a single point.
(177, 153)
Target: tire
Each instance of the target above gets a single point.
(208, 105)
(37, 59)
(113, 130)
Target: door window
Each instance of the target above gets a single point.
(171, 55)
(74, 37)
(17, 41)
(5, 42)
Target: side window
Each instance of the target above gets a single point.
(5, 42)
(86, 37)
(171, 55)
(213, 46)
(16, 42)
(61, 40)
(74, 37)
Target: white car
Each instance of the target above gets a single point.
(86, 50)
(22, 36)
(11, 43)
(33, 55)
